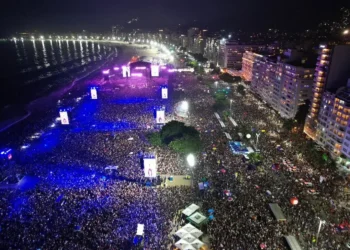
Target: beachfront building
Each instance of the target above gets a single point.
(333, 130)
(248, 60)
(231, 53)
(284, 82)
(331, 73)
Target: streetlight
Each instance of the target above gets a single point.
(345, 32)
(191, 161)
(319, 228)
(257, 139)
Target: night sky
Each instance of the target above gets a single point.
(99, 16)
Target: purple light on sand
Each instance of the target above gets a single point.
(105, 72)
(136, 74)
(140, 67)
(116, 68)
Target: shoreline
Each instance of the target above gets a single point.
(43, 102)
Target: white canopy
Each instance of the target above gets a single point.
(190, 209)
(197, 217)
(196, 233)
(189, 237)
(188, 227)
(189, 247)
(197, 244)
(181, 232)
(182, 244)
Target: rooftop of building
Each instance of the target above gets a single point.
(344, 95)
(304, 60)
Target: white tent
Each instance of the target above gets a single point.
(181, 232)
(188, 227)
(197, 244)
(196, 233)
(189, 247)
(189, 238)
(197, 218)
(190, 209)
(182, 244)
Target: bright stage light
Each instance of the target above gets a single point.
(185, 105)
(191, 160)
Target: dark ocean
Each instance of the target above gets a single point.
(32, 69)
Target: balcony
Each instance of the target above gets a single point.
(319, 85)
(322, 63)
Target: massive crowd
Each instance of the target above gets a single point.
(78, 204)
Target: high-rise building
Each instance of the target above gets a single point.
(332, 72)
(192, 33)
(284, 82)
(248, 61)
(333, 130)
(231, 53)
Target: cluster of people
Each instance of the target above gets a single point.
(92, 192)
